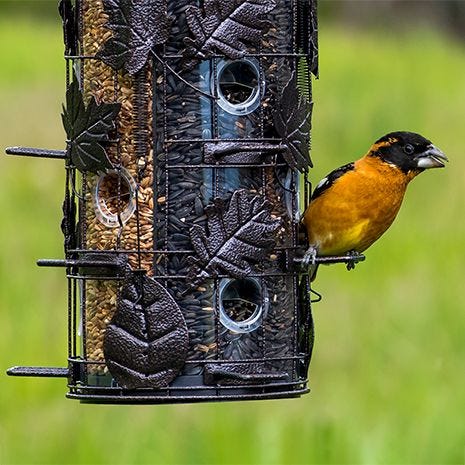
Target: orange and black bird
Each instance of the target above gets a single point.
(356, 203)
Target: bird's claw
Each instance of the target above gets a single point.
(309, 258)
(354, 258)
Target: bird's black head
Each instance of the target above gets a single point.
(408, 151)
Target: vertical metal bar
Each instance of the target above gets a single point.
(219, 354)
(295, 203)
(165, 135)
(215, 134)
(141, 142)
(215, 177)
(119, 163)
(83, 283)
(74, 317)
(67, 232)
(155, 161)
(83, 316)
(295, 9)
(262, 329)
(70, 319)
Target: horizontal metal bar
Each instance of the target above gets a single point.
(225, 147)
(218, 166)
(94, 277)
(82, 57)
(178, 56)
(348, 259)
(335, 259)
(38, 153)
(222, 375)
(170, 399)
(232, 140)
(193, 388)
(188, 278)
(252, 55)
(81, 263)
(42, 372)
(159, 251)
(290, 358)
(133, 251)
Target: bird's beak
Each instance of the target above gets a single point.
(432, 157)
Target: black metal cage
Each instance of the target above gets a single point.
(187, 157)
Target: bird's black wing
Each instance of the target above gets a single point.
(329, 180)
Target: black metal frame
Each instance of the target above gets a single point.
(260, 157)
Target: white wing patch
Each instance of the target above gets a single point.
(322, 183)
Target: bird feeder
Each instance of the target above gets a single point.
(186, 167)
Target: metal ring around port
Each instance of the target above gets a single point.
(103, 213)
(255, 320)
(252, 102)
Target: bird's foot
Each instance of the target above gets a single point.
(354, 257)
(309, 258)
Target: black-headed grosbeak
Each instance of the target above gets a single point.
(356, 203)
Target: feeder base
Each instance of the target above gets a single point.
(218, 395)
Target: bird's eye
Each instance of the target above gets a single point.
(409, 149)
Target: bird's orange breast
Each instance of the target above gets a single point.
(357, 208)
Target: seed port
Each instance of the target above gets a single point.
(115, 198)
(243, 304)
(239, 86)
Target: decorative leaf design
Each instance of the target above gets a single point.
(87, 128)
(137, 27)
(68, 15)
(292, 120)
(227, 26)
(147, 340)
(236, 238)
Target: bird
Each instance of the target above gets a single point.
(354, 205)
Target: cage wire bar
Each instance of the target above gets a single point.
(187, 168)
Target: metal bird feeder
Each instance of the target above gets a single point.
(187, 129)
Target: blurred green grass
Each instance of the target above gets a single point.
(387, 375)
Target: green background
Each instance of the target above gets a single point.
(388, 372)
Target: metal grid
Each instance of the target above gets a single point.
(164, 129)
(183, 185)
